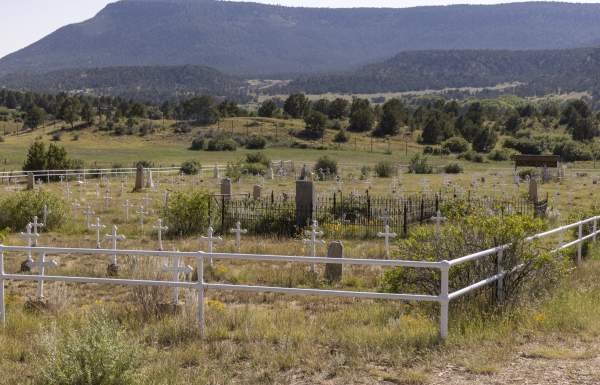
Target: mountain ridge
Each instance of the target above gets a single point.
(252, 38)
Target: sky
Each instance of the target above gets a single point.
(26, 21)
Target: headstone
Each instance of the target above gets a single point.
(304, 173)
(216, 174)
(333, 271)
(30, 181)
(305, 200)
(149, 181)
(226, 188)
(139, 179)
(270, 173)
(533, 190)
(256, 192)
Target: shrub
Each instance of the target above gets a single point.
(498, 155)
(17, 210)
(524, 145)
(221, 144)
(418, 165)
(254, 168)
(384, 169)
(98, 353)
(190, 167)
(187, 213)
(341, 137)
(326, 163)
(453, 168)
(256, 142)
(466, 234)
(571, 151)
(56, 137)
(435, 150)
(528, 172)
(472, 156)
(197, 144)
(456, 145)
(258, 157)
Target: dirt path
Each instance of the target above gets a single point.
(533, 365)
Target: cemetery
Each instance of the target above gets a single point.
(210, 258)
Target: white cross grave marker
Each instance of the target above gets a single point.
(313, 241)
(98, 227)
(107, 199)
(141, 212)
(127, 205)
(35, 224)
(88, 212)
(159, 228)
(114, 237)
(177, 269)
(41, 265)
(438, 219)
(238, 231)
(29, 237)
(210, 240)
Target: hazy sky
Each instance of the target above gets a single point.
(26, 21)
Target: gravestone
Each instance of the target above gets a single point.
(139, 179)
(333, 271)
(30, 181)
(533, 190)
(226, 188)
(256, 192)
(270, 173)
(305, 200)
(149, 180)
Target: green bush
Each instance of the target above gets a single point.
(326, 163)
(17, 210)
(98, 353)
(453, 168)
(197, 144)
(256, 142)
(221, 144)
(498, 155)
(419, 165)
(341, 136)
(472, 156)
(435, 150)
(187, 213)
(456, 145)
(190, 167)
(384, 169)
(257, 157)
(254, 168)
(524, 145)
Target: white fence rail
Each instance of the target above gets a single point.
(201, 286)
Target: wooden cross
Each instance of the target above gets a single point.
(141, 213)
(313, 241)
(177, 269)
(98, 227)
(238, 231)
(159, 228)
(127, 205)
(210, 240)
(88, 212)
(41, 265)
(35, 224)
(114, 237)
(438, 219)
(30, 238)
(387, 235)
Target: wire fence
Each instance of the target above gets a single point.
(361, 216)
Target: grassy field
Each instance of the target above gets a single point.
(276, 339)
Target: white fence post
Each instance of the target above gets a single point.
(580, 244)
(2, 306)
(443, 299)
(500, 282)
(200, 315)
(594, 228)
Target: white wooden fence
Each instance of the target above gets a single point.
(201, 286)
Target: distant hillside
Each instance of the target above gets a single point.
(249, 38)
(542, 71)
(146, 83)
